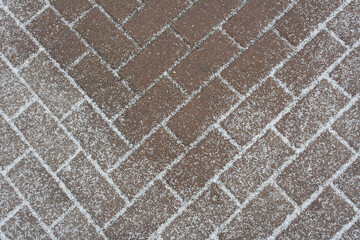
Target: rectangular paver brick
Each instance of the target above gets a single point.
(70, 9)
(101, 85)
(61, 42)
(149, 110)
(313, 167)
(311, 112)
(202, 111)
(105, 37)
(260, 217)
(190, 174)
(304, 17)
(119, 9)
(44, 134)
(91, 190)
(8, 198)
(96, 136)
(256, 165)
(196, 68)
(39, 188)
(253, 114)
(152, 61)
(256, 62)
(202, 17)
(154, 16)
(24, 9)
(146, 162)
(353, 232)
(253, 18)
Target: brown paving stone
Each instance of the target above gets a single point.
(253, 18)
(105, 37)
(147, 213)
(14, 44)
(75, 226)
(347, 73)
(50, 85)
(312, 112)
(249, 118)
(211, 154)
(202, 17)
(203, 110)
(56, 37)
(146, 162)
(119, 9)
(11, 145)
(322, 219)
(256, 165)
(353, 233)
(313, 167)
(44, 134)
(40, 189)
(200, 218)
(70, 9)
(95, 136)
(154, 16)
(321, 52)
(149, 110)
(347, 23)
(24, 9)
(24, 226)
(256, 62)
(260, 217)
(304, 17)
(154, 60)
(92, 191)
(101, 85)
(204, 61)
(8, 198)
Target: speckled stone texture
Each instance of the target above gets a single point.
(179, 119)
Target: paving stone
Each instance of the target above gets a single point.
(312, 112)
(348, 19)
(24, 226)
(263, 105)
(260, 217)
(304, 17)
(196, 69)
(92, 191)
(24, 9)
(146, 162)
(348, 124)
(149, 110)
(253, 18)
(256, 62)
(101, 85)
(152, 18)
(256, 165)
(105, 37)
(321, 220)
(11, 145)
(39, 188)
(61, 42)
(152, 61)
(203, 110)
(347, 73)
(44, 134)
(8, 198)
(197, 22)
(322, 51)
(96, 136)
(147, 213)
(313, 167)
(75, 226)
(50, 85)
(200, 218)
(119, 9)
(353, 233)
(190, 174)
(14, 44)
(70, 9)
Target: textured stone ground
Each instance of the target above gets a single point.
(179, 119)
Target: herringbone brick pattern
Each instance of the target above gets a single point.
(180, 119)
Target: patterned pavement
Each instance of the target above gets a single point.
(180, 119)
